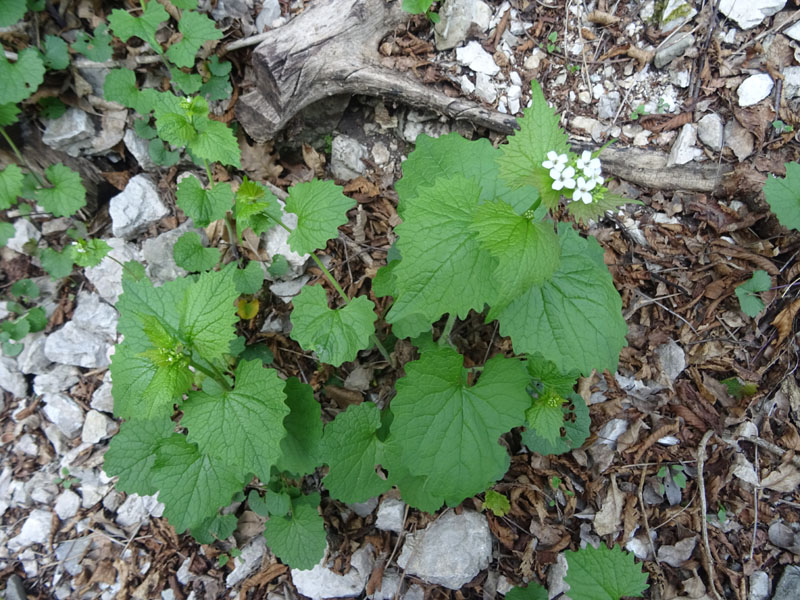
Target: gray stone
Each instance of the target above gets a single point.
(414, 592)
(94, 485)
(157, 253)
(683, 149)
(286, 290)
(276, 241)
(237, 9)
(364, 509)
(389, 586)
(739, 139)
(675, 14)
(136, 207)
(96, 427)
(710, 131)
(72, 132)
(449, 552)
(674, 49)
(533, 62)
(11, 380)
(270, 10)
(36, 530)
(27, 445)
(95, 75)
(346, 155)
(476, 58)
(759, 586)
(32, 359)
(791, 82)
(417, 122)
(754, 89)
(484, 88)
(64, 413)
(608, 104)
(55, 437)
(456, 17)
(85, 340)
(137, 509)
(41, 487)
(71, 553)
(102, 399)
(783, 536)
(391, 515)
(67, 505)
(751, 13)
(248, 561)
(112, 130)
(793, 32)
(15, 590)
(320, 582)
(24, 231)
(789, 584)
(106, 277)
(57, 379)
(139, 149)
(58, 225)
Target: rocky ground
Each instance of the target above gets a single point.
(714, 83)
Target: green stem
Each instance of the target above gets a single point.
(448, 327)
(208, 173)
(21, 158)
(233, 237)
(328, 274)
(213, 373)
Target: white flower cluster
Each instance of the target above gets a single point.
(564, 176)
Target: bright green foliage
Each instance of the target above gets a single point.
(132, 454)
(336, 335)
(12, 11)
(160, 155)
(52, 108)
(603, 574)
(547, 374)
(57, 264)
(56, 53)
(8, 114)
(321, 208)
(278, 504)
(443, 267)
(576, 423)
(143, 129)
(67, 194)
(250, 279)
(21, 78)
(533, 591)
(192, 485)
(185, 4)
(125, 26)
(95, 47)
(25, 288)
(242, 427)
(218, 86)
(190, 254)
(215, 142)
(747, 293)
(783, 196)
(256, 207)
(575, 318)
(417, 7)
(279, 266)
(11, 179)
(521, 159)
(300, 449)
(89, 253)
(6, 233)
(603, 201)
(203, 205)
(527, 253)
(351, 448)
(188, 83)
(545, 416)
(120, 86)
(217, 527)
(447, 431)
(196, 29)
(738, 389)
(497, 503)
(299, 539)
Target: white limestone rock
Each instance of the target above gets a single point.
(96, 427)
(710, 131)
(158, 254)
(270, 11)
(11, 380)
(67, 505)
(72, 132)
(346, 155)
(102, 399)
(136, 207)
(391, 515)
(248, 561)
(106, 277)
(64, 413)
(24, 231)
(36, 530)
(456, 17)
(32, 359)
(57, 379)
(449, 552)
(136, 509)
(139, 148)
(754, 89)
(684, 148)
(751, 13)
(320, 582)
(476, 58)
(85, 341)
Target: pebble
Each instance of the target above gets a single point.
(364, 509)
(137, 509)
(32, 359)
(157, 253)
(675, 14)
(759, 586)
(270, 10)
(11, 380)
(684, 149)
(64, 413)
(247, 561)
(391, 515)
(139, 148)
(789, 584)
(286, 290)
(320, 582)
(751, 13)
(674, 49)
(85, 340)
(533, 61)
(608, 105)
(276, 242)
(450, 552)
(754, 89)
(739, 139)
(485, 89)
(96, 427)
(710, 131)
(456, 17)
(15, 590)
(106, 277)
(36, 530)
(102, 399)
(58, 379)
(476, 58)
(72, 132)
(24, 231)
(346, 157)
(136, 207)
(67, 505)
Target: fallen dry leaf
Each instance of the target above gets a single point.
(783, 321)
(785, 479)
(609, 518)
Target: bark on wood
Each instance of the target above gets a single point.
(332, 49)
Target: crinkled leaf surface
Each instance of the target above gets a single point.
(190, 254)
(520, 160)
(546, 417)
(451, 155)
(417, 7)
(57, 264)
(196, 29)
(575, 318)
(443, 269)
(576, 429)
(125, 25)
(96, 47)
(526, 252)
(217, 527)
(783, 196)
(300, 449)
(448, 430)
(747, 293)
(204, 205)
(89, 253)
(11, 179)
(603, 201)
(244, 426)
(336, 335)
(7, 232)
(132, 454)
(56, 53)
(255, 207)
(603, 574)
(12, 11)
(497, 503)
(321, 208)
(8, 114)
(67, 194)
(120, 86)
(351, 448)
(547, 374)
(215, 142)
(192, 485)
(21, 78)
(298, 540)
(250, 279)
(533, 591)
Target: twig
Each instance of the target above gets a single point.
(701, 462)
(756, 495)
(770, 447)
(644, 516)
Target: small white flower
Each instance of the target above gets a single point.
(567, 179)
(555, 162)
(590, 166)
(78, 248)
(584, 160)
(583, 191)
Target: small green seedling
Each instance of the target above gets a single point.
(66, 481)
(223, 559)
(638, 112)
(781, 127)
(748, 293)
